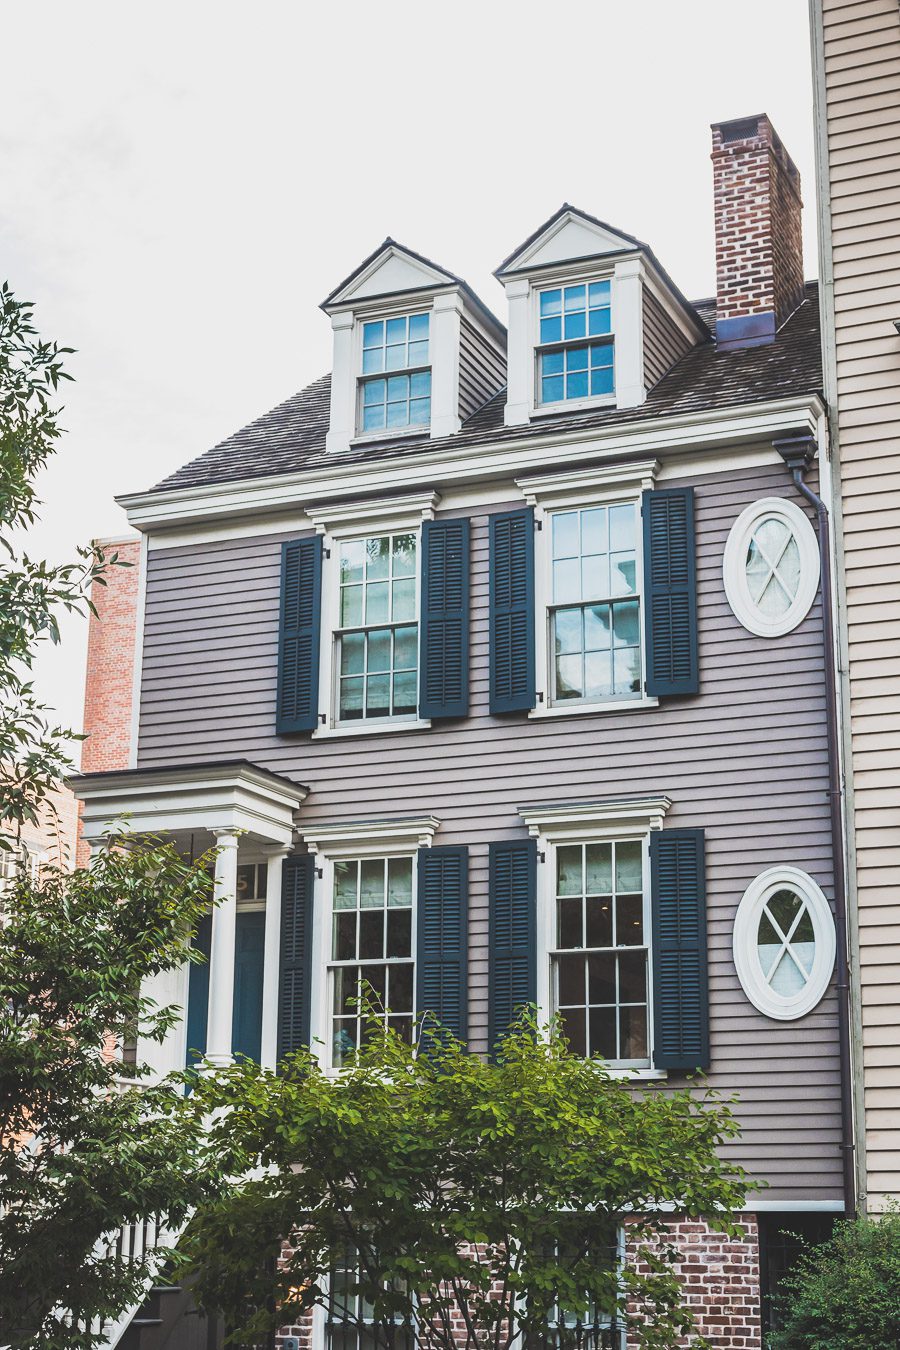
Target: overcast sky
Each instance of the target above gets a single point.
(183, 183)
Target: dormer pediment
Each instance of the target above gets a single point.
(567, 236)
(390, 270)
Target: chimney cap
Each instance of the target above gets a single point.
(742, 128)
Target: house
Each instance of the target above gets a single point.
(856, 63)
(495, 664)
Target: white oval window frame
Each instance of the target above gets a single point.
(734, 567)
(746, 952)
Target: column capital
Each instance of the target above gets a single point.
(228, 838)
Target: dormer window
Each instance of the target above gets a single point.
(395, 385)
(569, 366)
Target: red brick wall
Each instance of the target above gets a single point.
(110, 663)
(719, 1277)
(759, 248)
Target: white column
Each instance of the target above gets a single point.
(221, 957)
(342, 417)
(628, 325)
(519, 354)
(272, 956)
(445, 334)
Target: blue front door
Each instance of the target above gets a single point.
(246, 1025)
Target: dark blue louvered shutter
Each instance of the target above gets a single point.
(295, 964)
(512, 931)
(680, 985)
(442, 937)
(298, 645)
(444, 642)
(670, 610)
(512, 611)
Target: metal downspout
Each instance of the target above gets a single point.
(798, 453)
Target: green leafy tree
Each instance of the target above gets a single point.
(84, 1147)
(845, 1293)
(441, 1188)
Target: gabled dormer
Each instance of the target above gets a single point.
(415, 350)
(594, 320)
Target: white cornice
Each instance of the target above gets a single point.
(391, 512)
(506, 457)
(381, 837)
(580, 820)
(557, 488)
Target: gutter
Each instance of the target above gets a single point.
(798, 453)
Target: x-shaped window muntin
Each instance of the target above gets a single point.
(786, 946)
(773, 573)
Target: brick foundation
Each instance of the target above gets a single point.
(719, 1276)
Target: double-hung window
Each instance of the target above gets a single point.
(372, 937)
(575, 353)
(395, 385)
(378, 634)
(350, 1320)
(600, 957)
(594, 612)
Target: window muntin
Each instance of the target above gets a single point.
(378, 634)
(570, 366)
(388, 398)
(372, 945)
(595, 622)
(784, 943)
(771, 567)
(251, 882)
(600, 958)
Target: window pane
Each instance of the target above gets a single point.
(597, 678)
(376, 977)
(633, 1031)
(551, 302)
(399, 934)
(351, 606)
(345, 874)
(593, 531)
(569, 677)
(420, 385)
(344, 1042)
(568, 869)
(351, 699)
(420, 412)
(405, 694)
(399, 881)
(352, 653)
(602, 978)
(551, 330)
(403, 555)
(396, 330)
(596, 628)
(377, 602)
(378, 696)
(373, 392)
(246, 881)
(623, 574)
(565, 534)
(788, 979)
(629, 866)
(569, 923)
(373, 334)
(602, 382)
(577, 385)
(373, 361)
(371, 933)
(784, 907)
(599, 922)
(373, 418)
(598, 293)
(598, 869)
(633, 977)
(353, 559)
(405, 648)
(626, 671)
(630, 920)
(552, 389)
(378, 650)
(575, 325)
(371, 882)
(344, 936)
(404, 598)
(567, 581)
(603, 1032)
(570, 976)
(573, 1028)
(553, 363)
(621, 527)
(418, 356)
(577, 359)
(397, 414)
(574, 298)
(377, 557)
(400, 988)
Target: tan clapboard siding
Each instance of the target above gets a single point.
(210, 662)
(862, 77)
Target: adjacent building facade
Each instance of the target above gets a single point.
(494, 665)
(856, 56)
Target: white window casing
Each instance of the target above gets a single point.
(786, 563)
(807, 974)
(332, 844)
(582, 489)
(625, 820)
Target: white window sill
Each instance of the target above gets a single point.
(574, 405)
(370, 729)
(390, 434)
(639, 1075)
(582, 709)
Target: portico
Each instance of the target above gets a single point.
(246, 814)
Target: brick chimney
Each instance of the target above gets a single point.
(759, 247)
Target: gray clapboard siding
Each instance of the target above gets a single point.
(664, 342)
(482, 369)
(745, 760)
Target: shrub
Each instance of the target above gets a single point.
(845, 1294)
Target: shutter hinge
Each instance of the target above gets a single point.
(542, 857)
(538, 524)
(539, 696)
(322, 718)
(320, 872)
(326, 552)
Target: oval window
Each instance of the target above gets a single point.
(784, 943)
(771, 567)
